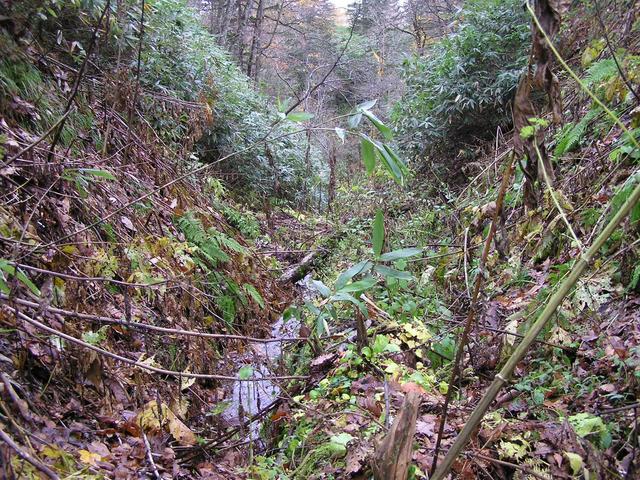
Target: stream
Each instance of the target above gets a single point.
(248, 398)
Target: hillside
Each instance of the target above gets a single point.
(264, 240)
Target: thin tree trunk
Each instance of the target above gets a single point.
(254, 55)
(224, 22)
(243, 18)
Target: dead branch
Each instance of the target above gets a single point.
(472, 308)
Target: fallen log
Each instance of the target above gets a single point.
(309, 261)
(299, 270)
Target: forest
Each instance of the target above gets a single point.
(330, 239)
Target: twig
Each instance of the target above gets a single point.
(472, 308)
(133, 103)
(26, 457)
(21, 404)
(144, 366)
(464, 256)
(387, 404)
(620, 409)
(613, 53)
(370, 302)
(547, 180)
(91, 279)
(147, 447)
(335, 64)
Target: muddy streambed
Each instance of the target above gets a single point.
(245, 399)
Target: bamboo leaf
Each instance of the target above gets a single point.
(368, 152)
(299, 116)
(388, 272)
(401, 253)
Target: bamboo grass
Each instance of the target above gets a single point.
(555, 301)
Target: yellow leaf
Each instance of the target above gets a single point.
(180, 431)
(575, 461)
(186, 382)
(89, 458)
(155, 418)
(52, 452)
(70, 249)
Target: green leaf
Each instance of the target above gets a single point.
(389, 162)
(387, 272)
(321, 325)
(527, 132)
(245, 372)
(312, 308)
(360, 267)
(341, 439)
(377, 238)
(368, 153)
(6, 267)
(380, 344)
(97, 173)
(322, 288)
(360, 285)
(254, 294)
(299, 116)
(401, 253)
(345, 297)
(97, 337)
(382, 128)
(341, 133)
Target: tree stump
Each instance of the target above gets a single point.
(393, 456)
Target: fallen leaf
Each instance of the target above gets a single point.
(89, 458)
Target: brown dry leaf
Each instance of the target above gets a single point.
(180, 431)
(425, 425)
(370, 404)
(412, 387)
(355, 460)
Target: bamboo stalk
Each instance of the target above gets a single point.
(555, 301)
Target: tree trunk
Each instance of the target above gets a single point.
(254, 54)
(224, 23)
(243, 18)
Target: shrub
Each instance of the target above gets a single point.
(461, 89)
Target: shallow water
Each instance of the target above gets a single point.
(248, 398)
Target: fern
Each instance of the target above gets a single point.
(571, 135)
(207, 243)
(601, 72)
